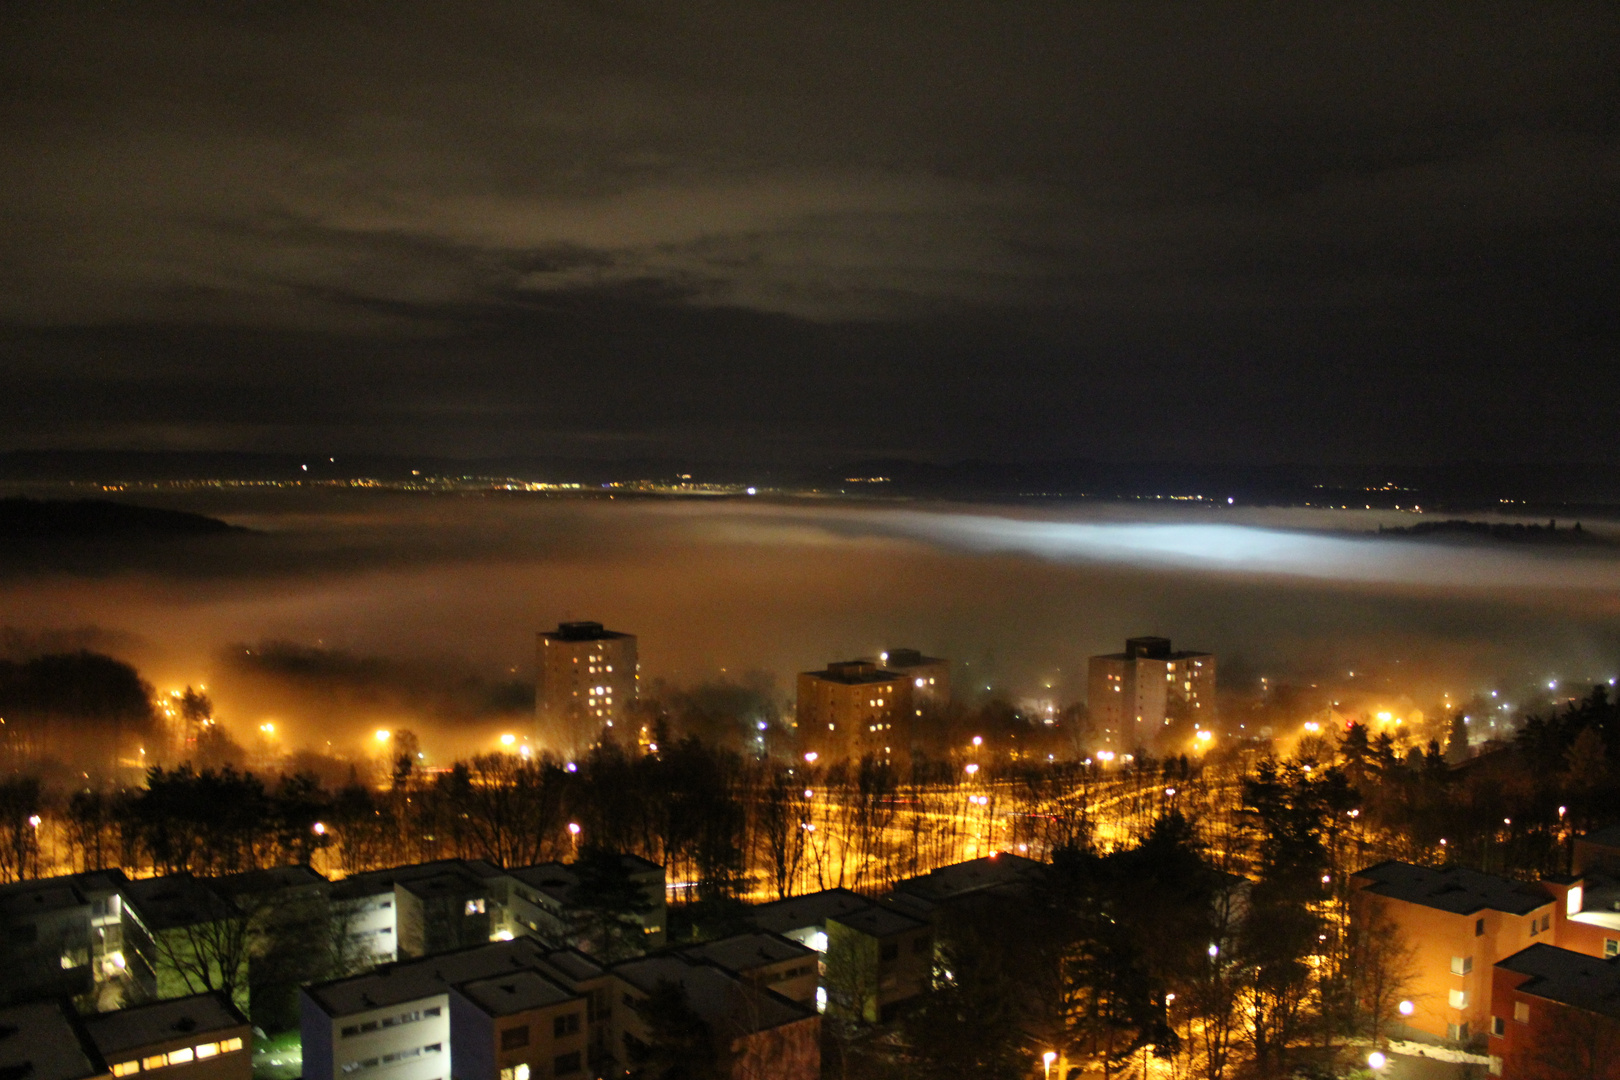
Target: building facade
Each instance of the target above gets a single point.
(1555, 1012)
(852, 709)
(1459, 924)
(201, 1037)
(930, 676)
(1133, 694)
(588, 680)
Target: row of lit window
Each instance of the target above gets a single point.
(392, 1021)
(877, 701)
(183, 1056)
(389, 1059)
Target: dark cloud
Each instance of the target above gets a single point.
(1250, 230)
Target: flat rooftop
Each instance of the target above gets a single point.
(746, 952)
(1607, 837)
(583, 631)
(1570, 978)
(273, 879)
(728, 1005)
(497, 963)
(880, 921)
(139, 1026)
(976, 875)
(813, 909)
(177, 900)
(411, 980)
(520, 991)
(856, 673)
(474, 873)
(1453, 888)
(45, 1041)
(26, 899)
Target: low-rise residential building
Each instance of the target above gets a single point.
(44, 940)
(202, 1037)
(757, 1034)
(1001, 874)
(1458, 923)
(517, 1025)
(183, 938)
(766, 960)
(1598, 850)
(45, 1040)
(400, 1017)
(1587, 913)
(1555, 1012)
(409, 911)
(539, 901)
(874, 957)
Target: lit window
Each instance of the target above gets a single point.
(1521, 1011)
(180, 1057)
(125, 1068)
(1457, 999)
(207, 1050)
(1611, 948)
(475, 907)
(156, 1061)
(1462, 965)
(230, 1045)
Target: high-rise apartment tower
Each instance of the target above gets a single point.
(588, 680)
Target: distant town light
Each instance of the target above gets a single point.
(33, 820)
(978, 740)
(383, 734)
(810, 758)
(1214, 950)
(571, 767)
(508, 739)
(319, 828)
(972, 768)
(752, 491)
(573, 828)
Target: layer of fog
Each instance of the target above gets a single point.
(434, 600)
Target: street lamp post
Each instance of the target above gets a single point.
(1046, 1060)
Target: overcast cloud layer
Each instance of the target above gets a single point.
(1293, 231)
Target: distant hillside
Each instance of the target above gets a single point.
(1514, 532)
(99, 519)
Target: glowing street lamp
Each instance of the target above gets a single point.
(1406, 1008)
(810, 758)
(973, 768)
(1047, 1059)
(1376, 1060)
(383, 734)
(508, 739)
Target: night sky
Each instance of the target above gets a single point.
(803, 233)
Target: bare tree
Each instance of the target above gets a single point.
(1382, 964)
(1581, 1044)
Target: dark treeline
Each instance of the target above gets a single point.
(72, 709)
